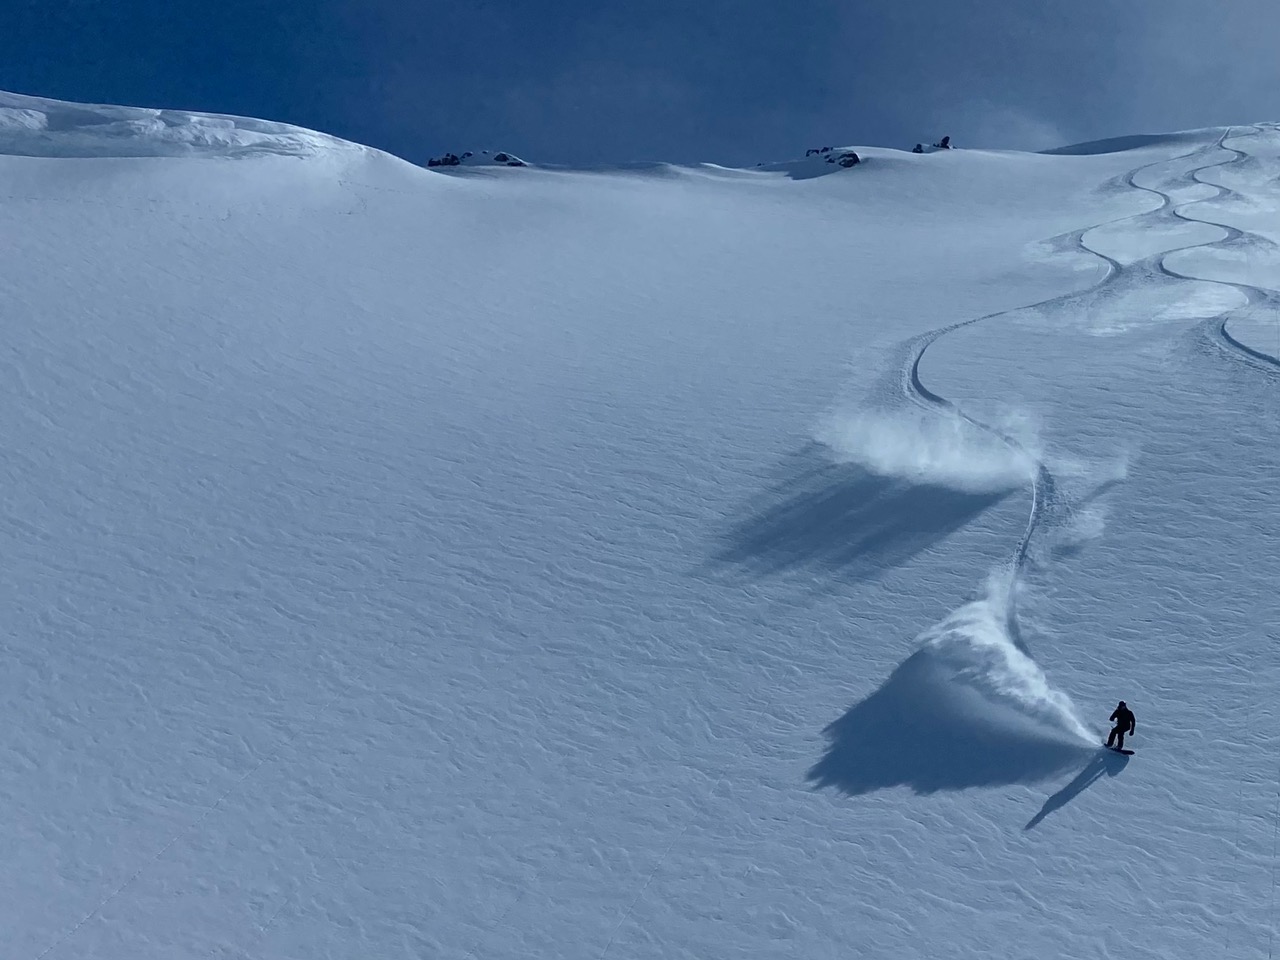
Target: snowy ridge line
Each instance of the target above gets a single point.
(1043, 486)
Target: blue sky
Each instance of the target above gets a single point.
(732, 81)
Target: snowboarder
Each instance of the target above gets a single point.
(1124, 723)
(918, 148)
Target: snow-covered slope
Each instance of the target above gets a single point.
(36, 127)
(681, 562)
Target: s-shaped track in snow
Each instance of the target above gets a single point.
(1253, 294)
(1043, 490)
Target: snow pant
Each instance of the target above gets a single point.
(1117, 732)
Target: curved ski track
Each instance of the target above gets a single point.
(1043, 488)
(1255, 295)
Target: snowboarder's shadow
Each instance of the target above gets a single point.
(1107, 762)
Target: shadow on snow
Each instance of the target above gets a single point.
(1105, 762)
(924, 731)
(846, 518)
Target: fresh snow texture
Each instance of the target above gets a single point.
(35, 127)
(649, 563)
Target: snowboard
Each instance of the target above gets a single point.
(1127, 753)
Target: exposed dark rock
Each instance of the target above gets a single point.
(448, 160)
(453, 160)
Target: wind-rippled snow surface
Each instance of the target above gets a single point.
(405, 564)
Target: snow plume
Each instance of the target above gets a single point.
(1083, 486)
(934, 446)
(967, 709)
(972, 650)
(1082, 527)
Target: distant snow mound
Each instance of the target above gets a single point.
(1136, 142)
(36, 127)
(819, 162)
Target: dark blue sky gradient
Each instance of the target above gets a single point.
(732, 81)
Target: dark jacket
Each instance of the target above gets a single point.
(1124, 718)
